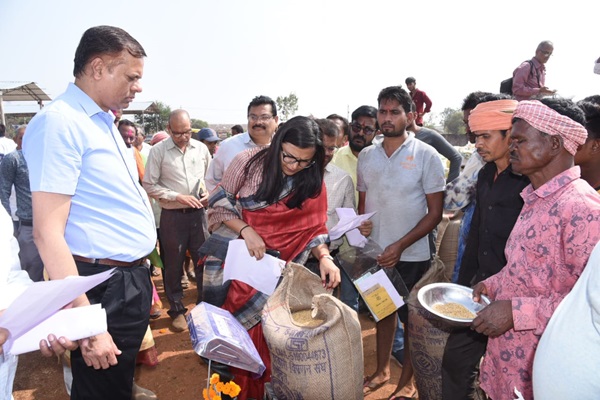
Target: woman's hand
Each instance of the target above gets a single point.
(329, 269)
(255, 244)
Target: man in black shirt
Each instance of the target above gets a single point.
(498, 206)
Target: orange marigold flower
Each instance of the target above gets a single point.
(205, 394)
(217, 398)
(214, 379)
(219, 386)
(226, 388)
(212, 393)
(235, 389)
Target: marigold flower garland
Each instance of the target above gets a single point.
(215, 388)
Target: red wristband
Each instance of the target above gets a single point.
(325, 255)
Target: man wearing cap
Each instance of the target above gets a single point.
(262, 124)
(175, 177)
(548, 247)
(498, 204)
(210, 139)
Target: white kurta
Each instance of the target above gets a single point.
(13, 281)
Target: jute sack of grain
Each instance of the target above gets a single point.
(427, 338)
(448, 249)
(315, 355)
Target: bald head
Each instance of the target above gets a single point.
(178, 115)
(180, 127)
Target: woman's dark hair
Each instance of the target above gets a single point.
(304, 133)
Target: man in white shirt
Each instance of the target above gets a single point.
(262, 124)
(6, 144)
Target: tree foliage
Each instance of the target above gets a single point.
(287, 106)
(199, 124)
(153, 123)
(452, 121)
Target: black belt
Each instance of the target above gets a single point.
(25, 222)
(108, 261)
(183, 210)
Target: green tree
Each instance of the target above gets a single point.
(153, 123)
(287, 106)
(199, 124)
(452, 121)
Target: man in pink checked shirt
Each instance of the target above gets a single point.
(548, 248)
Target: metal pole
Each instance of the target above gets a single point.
(2, 110)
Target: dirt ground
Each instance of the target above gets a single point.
(180, 374)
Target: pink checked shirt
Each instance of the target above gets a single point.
(546, 252)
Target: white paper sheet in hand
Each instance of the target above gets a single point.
(262, 275)
(72, 323)
(42, 299)
(348, 225)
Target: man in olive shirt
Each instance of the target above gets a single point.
(175, 177)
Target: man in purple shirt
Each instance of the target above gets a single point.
(529, 79)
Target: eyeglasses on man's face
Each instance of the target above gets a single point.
(261, 118)
(180, 134)
(356, 128)
(290, 159)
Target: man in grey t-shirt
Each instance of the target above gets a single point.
(402, 179)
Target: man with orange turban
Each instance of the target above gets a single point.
(548, 247)
(498, 205)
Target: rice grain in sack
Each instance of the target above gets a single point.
(314, 355)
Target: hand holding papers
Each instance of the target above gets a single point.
(72, 323)
(348, 224)
(381, 288)
(262, 274)
(42, 300)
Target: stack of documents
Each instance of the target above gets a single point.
(218, 336)
(38, 312)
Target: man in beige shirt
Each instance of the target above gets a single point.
(174, 176)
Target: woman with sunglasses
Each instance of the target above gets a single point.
(274, 199)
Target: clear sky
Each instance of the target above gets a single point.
(213, 57)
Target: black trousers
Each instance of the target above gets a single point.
(460, 363)
(179, 232)
(126, 296)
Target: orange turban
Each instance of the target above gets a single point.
(546, 120)
(492, 115)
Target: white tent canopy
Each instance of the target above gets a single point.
(21, 91)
